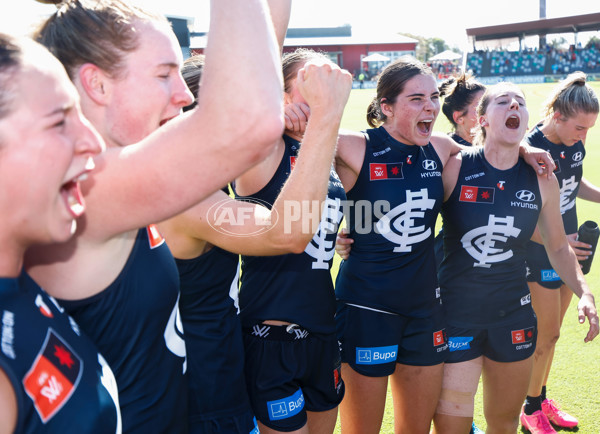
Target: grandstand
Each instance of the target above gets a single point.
(540, 64)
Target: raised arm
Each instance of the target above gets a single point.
(561, 255)
(251, 229)
(236, 124)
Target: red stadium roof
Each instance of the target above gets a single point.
(545, 26)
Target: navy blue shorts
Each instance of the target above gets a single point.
(372, 342)
(539, 269)
(243, 423)
(510, 342)
(290, 371)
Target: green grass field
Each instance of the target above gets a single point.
(574, 380)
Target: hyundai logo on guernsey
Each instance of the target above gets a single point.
(550, 276)
(376, 355)
(429, 165)
(286, 407)
(460, 343)
(578, 156)
(525, 195)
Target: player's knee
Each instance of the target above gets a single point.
(459, 388)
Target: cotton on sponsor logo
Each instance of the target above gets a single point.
(8, 334)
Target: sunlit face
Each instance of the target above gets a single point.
(506, 117)
(410, 119)
(45, 146)
(151, 90)
(467, 120)
(574, 129)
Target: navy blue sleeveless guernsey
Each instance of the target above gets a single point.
(393, 208)
(135, 324)
(458, 139)
(569, 171)
(213, 335)
(295, 287)
(61, 382)
(488, 219)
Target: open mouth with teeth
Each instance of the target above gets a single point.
(71, 191)
(71, 194)
(424, 126)
(513, 122)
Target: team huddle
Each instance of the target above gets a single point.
(131, 304)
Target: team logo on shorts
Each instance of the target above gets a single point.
(439, 338)
(522, 336)
(53, 376)
(337, 378)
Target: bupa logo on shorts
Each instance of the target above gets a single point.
(522, 336)
(460, 343)
(429, 165)
(525, 195)
(286, 407)
(376, 355)
(577, 156)
(550, 276)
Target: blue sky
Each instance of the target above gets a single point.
(440, 18)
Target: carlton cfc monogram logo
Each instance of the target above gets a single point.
(567, 201)
(481, 242)
(398, 225)
(322, 246)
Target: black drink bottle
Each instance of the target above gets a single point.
(588, 233)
